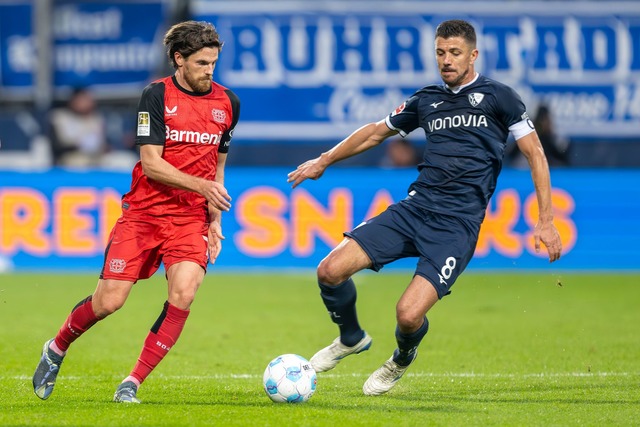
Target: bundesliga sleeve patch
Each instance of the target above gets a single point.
(399, 110)
(144, 124)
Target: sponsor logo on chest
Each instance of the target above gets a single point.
(460, 120)
(465, 120)
(192, 136)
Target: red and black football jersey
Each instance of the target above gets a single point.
(193, 128)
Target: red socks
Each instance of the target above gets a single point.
(161, 338)
(81, 318)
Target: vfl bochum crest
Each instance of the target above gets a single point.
(476, 98)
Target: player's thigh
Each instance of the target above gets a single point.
(343, 261)
(109, 296)
(184, 278)
(446, 245)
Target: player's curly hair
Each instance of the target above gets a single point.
(189, 37)
(457, 28)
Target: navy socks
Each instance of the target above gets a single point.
(341, 303)
(408, 344)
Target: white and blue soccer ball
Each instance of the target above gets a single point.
(289, 378)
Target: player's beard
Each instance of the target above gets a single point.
(202, 84)
(458, 80)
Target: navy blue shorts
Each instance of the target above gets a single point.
(444, 244)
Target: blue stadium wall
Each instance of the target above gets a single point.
(59, 220)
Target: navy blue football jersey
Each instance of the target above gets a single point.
(466, 136)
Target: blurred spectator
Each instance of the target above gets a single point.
(77, 132)
(555, 147)
(400, 153)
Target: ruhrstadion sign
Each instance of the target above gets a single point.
(314, 70)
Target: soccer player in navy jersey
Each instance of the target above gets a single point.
(172, 212)
(466, 121)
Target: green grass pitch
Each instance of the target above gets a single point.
(504, 349)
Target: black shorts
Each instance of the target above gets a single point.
(444, 244)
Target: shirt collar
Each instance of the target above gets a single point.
(457, 89)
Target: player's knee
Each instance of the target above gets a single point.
(329, 273)
(104, 308)
(182, 299)
(408, 320)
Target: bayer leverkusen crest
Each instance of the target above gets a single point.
(117, 265)
(219, 116)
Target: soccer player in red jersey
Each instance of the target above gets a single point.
(172, 212)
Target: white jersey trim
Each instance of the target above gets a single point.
(522, 128)
(456, 89)
(392, 127)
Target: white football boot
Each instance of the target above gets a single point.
(385, 377)
(330, 356)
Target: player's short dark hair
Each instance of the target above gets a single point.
(189, 37)
(457, 28)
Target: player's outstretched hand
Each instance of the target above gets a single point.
(217, 195)
(311, 169)
(215, 237)
(548, 234)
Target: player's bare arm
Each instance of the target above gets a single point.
(545, 231)
(158, 169)
(364, 138)
(215, 235)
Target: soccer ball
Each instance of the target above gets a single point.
(289, 378)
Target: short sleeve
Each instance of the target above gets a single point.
(225, 142)
(150, 116)
(405, 118)
(511, 108)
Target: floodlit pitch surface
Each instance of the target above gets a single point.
(503, 349)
